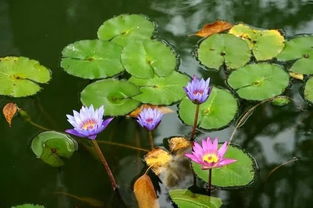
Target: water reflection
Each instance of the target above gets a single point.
(41, 29)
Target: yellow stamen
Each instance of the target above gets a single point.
(210, 158)
(87, 125)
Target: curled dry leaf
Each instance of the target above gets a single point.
(296, 75)
(9, 110)
(213, 28)
(178, 143)
(157, 159)
(145, 193)
(137, 111)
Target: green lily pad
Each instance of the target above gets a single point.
(301, 50)
(143, 59)
(223, 48)
(124, 28)
(161, 90)
(184, 198)
(20, 76)
(259, 81)
(308, 90)
(218, 111)
(265, 44)
(28, 206)
(238, 174)
(52, 146)
(281, 101)
(115, 95)
(92, 59)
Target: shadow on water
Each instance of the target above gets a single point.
(40, 29)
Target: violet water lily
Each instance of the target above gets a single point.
(198, 90)
(208, 155)
(88, 122)
(149, 118)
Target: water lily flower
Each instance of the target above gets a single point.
(208, 155)
(198, 90)
(88, 122)
(150, 118)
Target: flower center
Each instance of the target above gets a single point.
(89, 124)
(149, 120)
(210, 158)
(198, 91)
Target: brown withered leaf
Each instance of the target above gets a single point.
(145, 193)
(157, 159)
(137, 111)
(296, 75)
(178, 143)
(213, 28)
(9, 110)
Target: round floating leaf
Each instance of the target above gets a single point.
(114, 95)
(220, 48)
(300, 49)
(52, 146)
(265, 44)
(144, 58)
(259, 81)
(19, 76)
(92, 59)
(28, 206)
(161, 90)
(308, 90)
(237, 174)
(124, 28)
(220, 109)
(281, 101)
(184, 198)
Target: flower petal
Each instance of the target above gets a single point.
(222, 150)
(225, 161)
(74, 132)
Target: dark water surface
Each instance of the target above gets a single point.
(40, 29)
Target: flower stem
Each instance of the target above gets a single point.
(105, 164)
(193, 132)
(210, 182)
(151, 140)
(123, 145)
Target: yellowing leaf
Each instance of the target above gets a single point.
(213, 28)
(157, 159)
(178, 143)
(296, 75)
(9, 110)
(137, 111)
(145, 193)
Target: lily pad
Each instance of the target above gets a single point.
(52, 146)
(281, 100)
(20, 76)
(92, 59)
(308, 90)
(223, 48)
(218, 111)
(114, 95)
(124, 28)
(184, 198)
(161, 90)
(28, 206)
(265, 44)
(259, 81)
(238, 174)
(301, 50)
(143, 59)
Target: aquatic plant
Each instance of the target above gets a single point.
(198, 90)
(149, 118)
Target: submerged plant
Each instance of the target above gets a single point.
(87, 122)
(209, 156)
(198, 91)
(150, 118)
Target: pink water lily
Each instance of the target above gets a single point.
(208, 155)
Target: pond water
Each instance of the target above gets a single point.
(41, 29)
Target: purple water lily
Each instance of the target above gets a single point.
(149, 118)
(208, 155)
(88, 122)
(198, 90)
